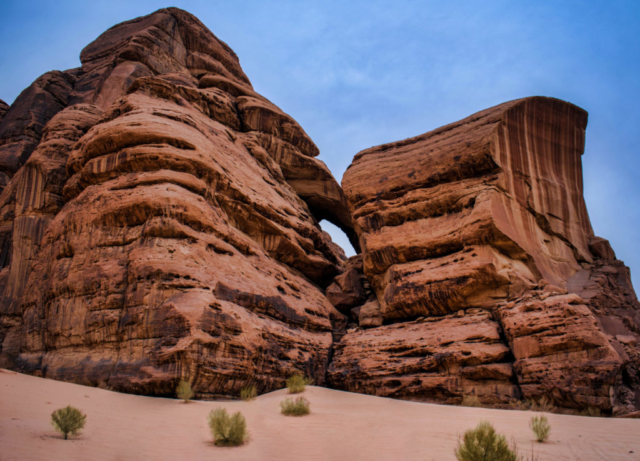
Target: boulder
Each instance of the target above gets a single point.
(347, 290)
(369, 314)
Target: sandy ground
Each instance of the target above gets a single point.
(342, 426)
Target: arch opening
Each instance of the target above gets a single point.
(339, 237)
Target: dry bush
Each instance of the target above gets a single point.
(593, 412)
(184, 391)
(519, 405)
(248, 392)
(484, 444)
(68, 420)
(540, 427)
(295, 407)
(471, 401)
(227, 430)
(532, 456)
(296, 383)
(543, 405)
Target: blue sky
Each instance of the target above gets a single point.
(360, 73)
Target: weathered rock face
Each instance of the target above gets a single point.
(429, 358)
(158, 221)
(488, 213)
(22, 125)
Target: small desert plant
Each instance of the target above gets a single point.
(520, 405)
(227, 430)
(248, 392)
(533, 456)
(591, 411)
(471, 401)
(68, 420)
(543, 405)
(540, 427)
(184, 391)
(484, 444)
(295, 407)
(296, 383)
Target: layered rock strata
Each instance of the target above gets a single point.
(488, 214)
(159, 221)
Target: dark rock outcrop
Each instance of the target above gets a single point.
(4, 108)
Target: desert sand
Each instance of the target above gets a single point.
(342, 426)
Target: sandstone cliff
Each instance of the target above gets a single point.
(488, 278)
(159, 221)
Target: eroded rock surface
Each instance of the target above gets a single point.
(158, 222)
(22, 125)
(488, 213)
(349, 289)
(434, 359)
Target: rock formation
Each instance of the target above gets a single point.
(4, 107)
(477, 234)
(159, 221)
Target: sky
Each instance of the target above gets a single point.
(356, 74)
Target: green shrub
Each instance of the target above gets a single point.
(184, 391)
(227, 430)
(296, 383)
(484, 444)
(540, 427)
(471, 401)
(68, 420)
(295, 407)
(248, 392)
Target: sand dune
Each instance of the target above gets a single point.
(342, 426)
